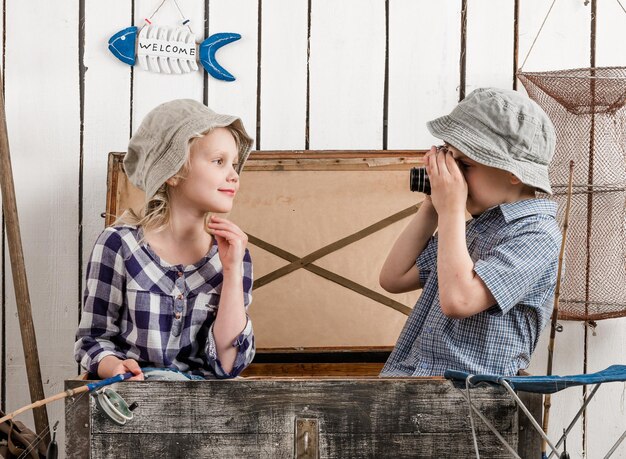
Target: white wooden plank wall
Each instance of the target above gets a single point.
(315, 74)
(608, 345)
(424, 49)
(42, 105)
(283, 90)
(563, 43)
(347, 73)
(239, 58)
(2, 285)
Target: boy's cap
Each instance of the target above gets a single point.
(158, 149)
(503, 129)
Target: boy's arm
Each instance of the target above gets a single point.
(399, 272)
(461, 292)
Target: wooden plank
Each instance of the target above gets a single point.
(564, 40)
(151, 89)
(3, 254)
(239, 58)
(312, 370)
(280, 446)
(607, 419)
(77, 423)
(347, 64)
(529, 442)
(357, 418)
(563, 43)
(283, 91)
(43, 124)
(107, 109)
(429, 405)
(489, 44)
(424, 48)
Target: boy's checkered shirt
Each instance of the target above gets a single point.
(515, 250)
(137, 306)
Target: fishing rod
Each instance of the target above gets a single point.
(109, 401)
(91, 387)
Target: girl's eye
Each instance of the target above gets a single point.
(219, 162)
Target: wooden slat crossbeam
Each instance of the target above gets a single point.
(340, 280)
(306, 262)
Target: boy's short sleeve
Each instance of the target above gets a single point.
(518, 266)
(427, 260)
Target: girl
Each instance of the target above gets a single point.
(170, 288)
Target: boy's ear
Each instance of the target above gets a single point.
(514, 179)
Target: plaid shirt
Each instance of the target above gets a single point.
(515, 250)
(137, 306)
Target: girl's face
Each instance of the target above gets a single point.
(211, 182)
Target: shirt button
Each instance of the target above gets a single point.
(424, 365)
(180, 297)
(180, 274)
(177, 315)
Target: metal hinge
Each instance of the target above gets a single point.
(306, 439)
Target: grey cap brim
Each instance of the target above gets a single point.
(482, 150)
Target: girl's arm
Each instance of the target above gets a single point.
(232, 329)
(104, 287)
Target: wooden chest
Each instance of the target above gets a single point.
(298, 418)
(319, 225)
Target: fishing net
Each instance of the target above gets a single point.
(587, 109)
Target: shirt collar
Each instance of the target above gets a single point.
(527, 207)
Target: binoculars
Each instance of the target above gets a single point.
(419, 181)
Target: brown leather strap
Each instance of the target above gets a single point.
(307, 261)
(298, 263)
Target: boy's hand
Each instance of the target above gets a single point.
(231, 242)
(449, 188)
(112, 366)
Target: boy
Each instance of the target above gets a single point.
(488, 285)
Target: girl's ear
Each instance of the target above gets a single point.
(172, 181)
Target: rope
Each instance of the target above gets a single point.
(185, 20)
(544, 23)
(537, 36)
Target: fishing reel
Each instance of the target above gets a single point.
(114, 406)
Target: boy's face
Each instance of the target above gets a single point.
(486, 186)
(210, 183)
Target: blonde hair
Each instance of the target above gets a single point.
(155, 215)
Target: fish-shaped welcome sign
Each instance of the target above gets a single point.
(164, 49)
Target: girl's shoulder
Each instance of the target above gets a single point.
(118, 235)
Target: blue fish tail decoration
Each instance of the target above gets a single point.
(207, 51)
(123, 45)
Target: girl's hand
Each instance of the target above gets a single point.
(231, 242)
(448, 185)
(112, 366)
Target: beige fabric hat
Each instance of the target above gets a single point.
(504, 129)
(158, 149)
